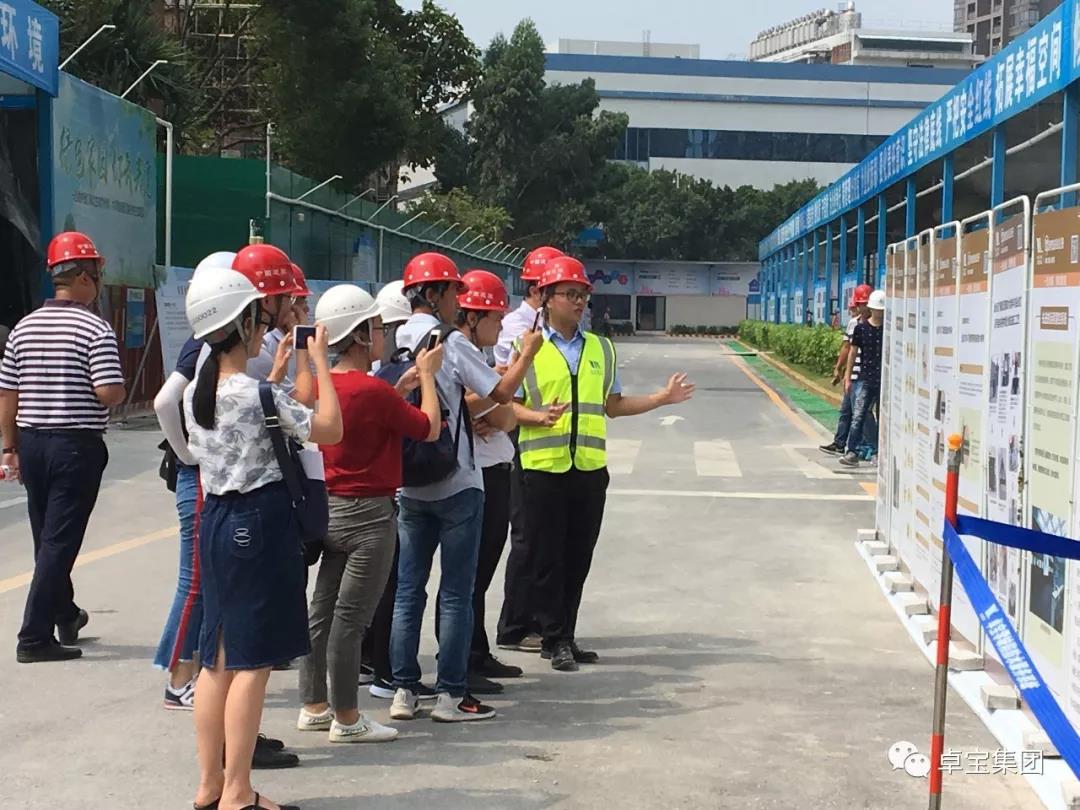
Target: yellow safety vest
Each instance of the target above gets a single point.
(579, 438)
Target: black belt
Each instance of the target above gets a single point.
(63, 431)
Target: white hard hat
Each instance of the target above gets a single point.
(217, 299)
(877, 300)
(342, 308)
(221, 259)
(394, 307)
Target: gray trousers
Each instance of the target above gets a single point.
(355, 565)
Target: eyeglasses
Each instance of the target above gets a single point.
(266, 319)
(575, 296)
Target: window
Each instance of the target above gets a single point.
(724, 144)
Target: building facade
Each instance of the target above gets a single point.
(753, 123)
(993, 24)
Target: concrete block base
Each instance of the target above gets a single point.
(866, 534)
(1070, 792)
(964, 660)
(876, 548)
(1000, 696)
(886, 562)
(927, 627)
(1035, 739)
(896, 582)
(913, 604)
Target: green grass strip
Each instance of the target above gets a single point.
(820, 410)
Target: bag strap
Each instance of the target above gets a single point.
(277, 438)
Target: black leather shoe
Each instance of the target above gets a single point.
(583, 656)
(562, 658)
(266, 759)
(479, 685)
(491, 667)
(68, 632)
(50, 651)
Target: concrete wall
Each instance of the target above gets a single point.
(705, 310)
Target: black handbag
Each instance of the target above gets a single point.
(309, 497)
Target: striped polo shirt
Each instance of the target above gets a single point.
(56, 356)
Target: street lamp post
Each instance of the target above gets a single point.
(145, 73)
(326, 182)
(74, 53)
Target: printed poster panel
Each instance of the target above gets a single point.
(922, 444)
(943, 359)
(173, 327)
(896, 309)
(971, 402)
(798, 313)
(671, 280)
(135, 318)
(884, 499)
(847, 290)
(1055, 303)
(733, 279)
(820, 297)
(105, 178)
(905, 444)
(1005, 415)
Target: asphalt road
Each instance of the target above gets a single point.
(748, 659)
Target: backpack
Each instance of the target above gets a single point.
(424, 463)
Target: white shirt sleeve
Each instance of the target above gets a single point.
(167, 406)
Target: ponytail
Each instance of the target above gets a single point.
(204, 401)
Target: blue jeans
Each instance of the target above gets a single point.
(453, 524)
(843, 423)
(864, 397)
(180, 638)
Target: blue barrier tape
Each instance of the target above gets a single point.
(1017, 537)
(1003, 636)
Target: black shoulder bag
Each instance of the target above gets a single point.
(309, 497)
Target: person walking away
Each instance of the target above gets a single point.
(254, 610)
(447, 513)
(858, 312)
(518, 628)
(60, 375)
(867, 389)
(482, 306)
(375, 669)
(363, 472)
(565, 462)
(177, 648)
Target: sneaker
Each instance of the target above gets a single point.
(314, 722)
(265, 758)
(491, 667)
(182, 699)
(832, 448)
(562, 658)
(850, 460)
(450, 709)
(367, 675)
(362, 731)
(405, 706)
(425, 692)
(479, 685)
(531, 643)
(68, 632)
(269, 743)
(381, 689)
(49, 651)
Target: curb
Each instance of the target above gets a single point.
(805, 382)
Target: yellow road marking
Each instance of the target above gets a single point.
(871, 488)
(805, 427)
(18, 581)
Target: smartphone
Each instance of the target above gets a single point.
(536, 320)
(301, 334)
(432, 341)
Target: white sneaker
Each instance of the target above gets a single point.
(362, 731)
(314, 722)
(449, 709)
(405, 706)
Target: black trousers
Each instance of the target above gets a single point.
(563, 514)
(518, 616)
(375, 651)
(61, 471)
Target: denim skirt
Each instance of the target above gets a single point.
(253, 572)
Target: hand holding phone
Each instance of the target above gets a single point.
(301, 336)
(432, 341)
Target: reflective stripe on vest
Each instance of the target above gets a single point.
(547, 381)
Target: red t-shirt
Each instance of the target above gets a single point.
(366, 463)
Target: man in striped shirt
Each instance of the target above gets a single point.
(60, 375)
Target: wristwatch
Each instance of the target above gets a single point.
(6, 450)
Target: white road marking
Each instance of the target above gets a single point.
(811, 469)
(12, 502)
(670, 419)
(621, 455)
(752, 496)
(716, 459)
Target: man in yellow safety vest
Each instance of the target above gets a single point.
(562, 408)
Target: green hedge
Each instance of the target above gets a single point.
(815, 347)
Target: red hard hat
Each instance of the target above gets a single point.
(301, 288)
(537, 261)
(862, 294)
(70, 246)
(267, 267)
(564, 268)
(430, 268)
(483, 291)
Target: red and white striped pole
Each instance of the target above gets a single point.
(941, 673)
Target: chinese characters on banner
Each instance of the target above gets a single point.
(29, 44)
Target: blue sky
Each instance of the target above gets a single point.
(723, 28)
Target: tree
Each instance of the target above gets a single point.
(488, 221)
(537, 151)
(355, 86)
